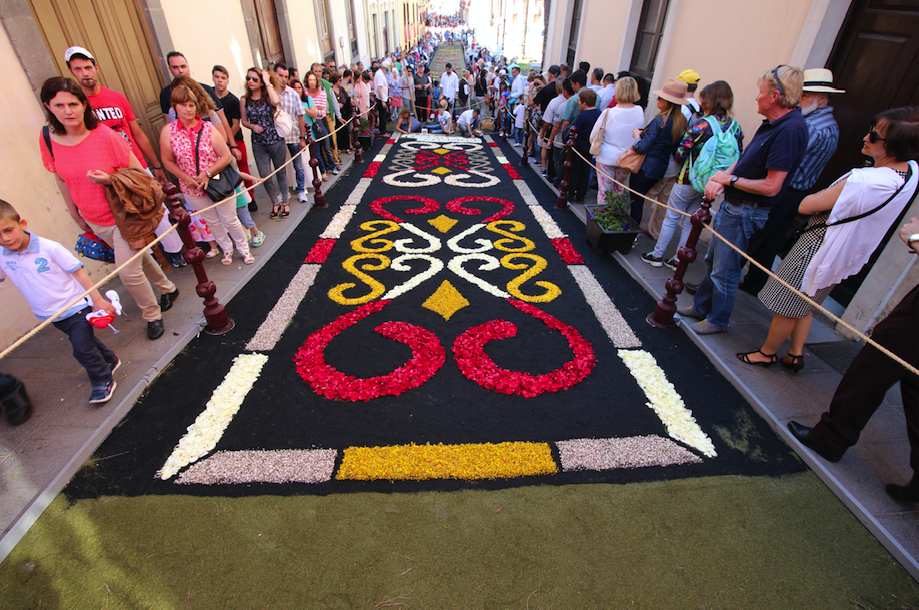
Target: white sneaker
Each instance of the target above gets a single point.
(302, 197)
(279, 199)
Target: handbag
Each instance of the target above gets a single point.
(89, 245)
(221, 185)
(283, 123)
(597, 142)
(630, 160)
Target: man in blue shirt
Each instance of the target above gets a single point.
(822, 137)
(751, 186)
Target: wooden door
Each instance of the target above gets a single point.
(269, 32)
(876, 60)
(648, 37)
(116, 34)
(325, 31)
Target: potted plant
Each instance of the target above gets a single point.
(365, 134)
(609, 226)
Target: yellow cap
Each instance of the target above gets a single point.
(690, 77)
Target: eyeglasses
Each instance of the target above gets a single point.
(775, 73)
(254, 79)
(874, 137)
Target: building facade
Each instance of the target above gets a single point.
(872, 47)
(130, 40)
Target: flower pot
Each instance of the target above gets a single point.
(366, 142)
(603, 240)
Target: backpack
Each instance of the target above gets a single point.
(718, 153)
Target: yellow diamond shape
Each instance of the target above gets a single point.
(445, 301)
(442, 223)
(441, 170)
(441, 151)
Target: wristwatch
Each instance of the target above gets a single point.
(734, 179)
(911, 239)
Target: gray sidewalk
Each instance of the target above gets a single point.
(38, 458)
(882, 453)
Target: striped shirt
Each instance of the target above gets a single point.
(822, 137)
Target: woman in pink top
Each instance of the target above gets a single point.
(82, 154)
(178, 141)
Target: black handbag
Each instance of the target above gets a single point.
(221, 185)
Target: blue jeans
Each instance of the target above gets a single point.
(518, 135)
(298, 166)
(88, 350)
(715, 297)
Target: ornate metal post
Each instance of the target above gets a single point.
(526, 138)
(218, 322)
(318, 197)
(662, 317)
(355, 140)
(562, 202)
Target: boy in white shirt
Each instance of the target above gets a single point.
(49, 277)
(519, 124)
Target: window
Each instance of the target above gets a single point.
(573, 33)
(648, 37)
(352, 30)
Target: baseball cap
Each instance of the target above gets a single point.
(553, 69)
(69, 53)
(690, 77)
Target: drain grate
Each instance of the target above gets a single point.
(838, 354)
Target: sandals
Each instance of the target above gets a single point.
(286, 211)
(275, 210)
(745, 358)
(227, 258)
(796, 364)
(212, 253)
(248, 258)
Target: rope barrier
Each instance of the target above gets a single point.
(868, 340)
(158, 239)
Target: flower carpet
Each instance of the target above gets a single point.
(440, 326)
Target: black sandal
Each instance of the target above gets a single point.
(275, 210)
(286, 211)
(796, 364)
(745, 358)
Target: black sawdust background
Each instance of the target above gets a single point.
(283, 412)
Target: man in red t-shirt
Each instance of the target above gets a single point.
(114, 111)
(112, 108)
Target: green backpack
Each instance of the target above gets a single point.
(718, 153)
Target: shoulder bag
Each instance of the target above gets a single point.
(221, 185)
(597, 142)
(283, 123)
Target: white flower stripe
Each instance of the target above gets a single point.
(435, 138)
(617, 329)
(379, 158)
(459, 179)
(398, 264)
(339, 222)
(274, 466)
(545, 221)
(501, 159)
(358, 193)
(278, 319)
(203, 435)
(491, 263)
(393, 179)
(666, 402)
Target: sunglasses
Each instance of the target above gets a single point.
(254, 79)
(775, 73)
(874, 137)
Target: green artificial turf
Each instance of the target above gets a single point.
(718, 542)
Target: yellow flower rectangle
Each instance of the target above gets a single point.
(471, 461)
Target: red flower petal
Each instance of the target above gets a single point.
(320, 251)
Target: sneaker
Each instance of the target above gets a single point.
(258, 239)
(114, 364)
(103, 393)
(301, 197)
(704, 328)
(654, 261)
(279, 199)
(688, 312)
(176, 259)
(671, 263)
